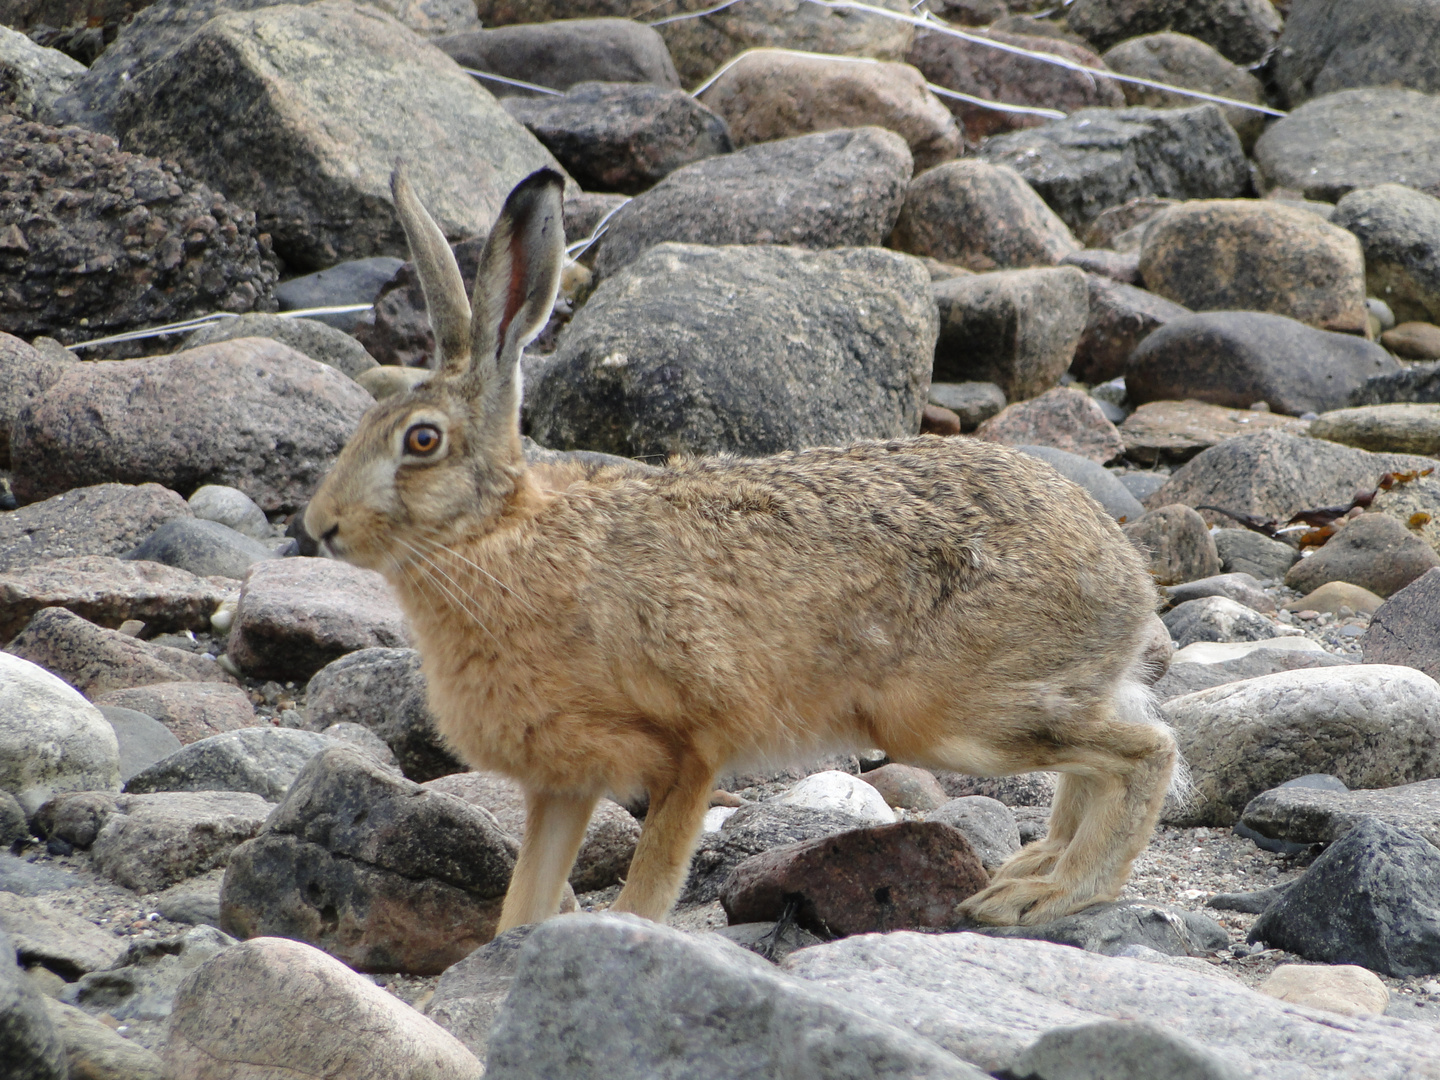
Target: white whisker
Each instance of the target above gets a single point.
(436, 545)
(424, 564)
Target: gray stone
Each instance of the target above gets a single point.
(1372, 898)
(355, 281)
(1248, 552)
(142, 983)
(1238, 358)
(297, 615)
(1399, 231)
(906, 786)
(75, 816)
(29, 1042)
(52, 937)
(1217, 618)
(1332, 45)
(469, 994)
(1099, 158)
(973, 402)
(143, 740)
(1028, 790)
(1241, 30)
(1015, 328)
(383, 690)
(261, 760)
(1241, 587)
(195, 900)
(1352, 139)
(232, 508)
(1372, 725)
(1120, 317)
(830, 189)
(108, 519)
(1094, 478)
(1313, 815)
(1062, 417)
(51, 738)
(152, 841)
(1374, 551)
(12, 821)
(622, 137)
(987, 823)
(317, 169)
(1187, 678)
(360, 736)
(1177, 543)
(95, 1051)
(205, 548)
(1406, 629)
(1119, 1050)
(251, 413)
(25, 374)
(1142, 484)
(25, 878)
(306, 336)
(33, 77)
(740, 1017)
(190, 710)
(1414, 382)
(1112, 928)
(750, 350)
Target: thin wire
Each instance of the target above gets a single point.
(997, 106)
(579, 248)
(206, 320)
(513, 82)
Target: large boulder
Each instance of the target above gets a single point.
(301, 112)
(830, 189)
(32, 77)
(250, 413)
(751, 350)
(107, 519)
(1406, 628)
(25, 374)
(152, 841)
(1330, 45)
(1310, 815)
(1399, 230)
(1242, 30)
(261, 760)
(309, 337)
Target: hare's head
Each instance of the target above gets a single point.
(447, 454)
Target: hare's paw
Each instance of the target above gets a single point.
(1024, 902)
(1033, 860)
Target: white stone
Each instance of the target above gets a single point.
(51, 738)
(1215, 652)
(715, 817)
(232, 508)
(840, 793)
(1339, 988)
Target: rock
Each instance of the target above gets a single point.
(471, 991)
(1142, 484)
(1331, 45)
(910, 875)
(1340, 988)
(51, 937)
(1413, 382)
(51, 739)
(25, 374)
(152, 841)
(1243, 551)
(195, 900)
(1119, 1050)
(1181, 60)
(1352, 139)
(1415, 504)
(1063, 418)
(142, 983)
(1016, 328)
(1114, 928)
(1256, 255)
(261, 760)
(831, 189)
(13, 828)
(232, 508)
(321, 195)
(1334, 595)
(988, 825)
(1028, 790)
(991, 74)
(749, 831)
(94, 1051)
(297, 615)
(108, 519)
(251, 413)
(1406, 628)
(1369, 899)
(142, 739)
(1372, 725)
(1118, 266)
(1307, 815)
(1241, 30)
(771, 94)
(274, 1005)
(397, 330)
(377, 871)
(575, 975)
(190, 710)
(972, 402)
(308, 337)
(1215, 652)
(383, 690)
(817, 348)
(1217, 618)
(1186, 678)
(610, 838)
(1413, 341)
(1242, 588)
(1177, 542)
(1122, 227)
(109, 591)
(623, 137)
(562, 53)
(95, 660)
(1095, 479)
(1399, 231)
(1238, 358)
(906, 786)
(1373, 551)
(34, 77)
(1274, 474)
(834, 792)
(1099, 158)
(355, 281)
(28, 1039)
(1175, 431)
(202, 548)
(157, 246)
(1120, 317)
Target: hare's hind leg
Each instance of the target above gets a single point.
(554, 829)
(1073, 793)
(657, 870)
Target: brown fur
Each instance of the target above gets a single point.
(954, 603)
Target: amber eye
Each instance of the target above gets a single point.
(422, 439)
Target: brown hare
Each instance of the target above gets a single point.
(591, 628)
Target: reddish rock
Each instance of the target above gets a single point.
(907, 876)
(25, 374)
(938, 420)
(1063, 418)
(1175, 431)
(906, 786)
(191, 710)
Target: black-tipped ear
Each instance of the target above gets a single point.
(439, 277)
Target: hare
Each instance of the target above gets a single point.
(589, 628)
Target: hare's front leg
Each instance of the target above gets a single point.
(662, 856)
(554, 829)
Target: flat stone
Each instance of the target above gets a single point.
(1121, 316)
(1094, 478)
(1241, 30)
(1186, 676)
(1372, 725)
(1237, 586)
(107, 519)
(1400, 428)
(1413, 340)
(1175, 431)
(1245, 551)
(1332, 45)
(1373, 551)
(1063, 418)
(1177, 542)
(53, 938)
(988, 824)
(1305, 815)
(262, 760)
(1338, 988)
(1406, 629)
(972, 402)
(1218, 652)
(152, 841)
(190, 710)
(1334, 595)
(354, 281)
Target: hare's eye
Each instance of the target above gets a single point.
(422, 439)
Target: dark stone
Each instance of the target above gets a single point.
(1216, 618)
(1240, 30)
(1237, 358)
(1177, 542)
(1311, 814)
(1121, 316)
(1094, 478)
(622, 137)
(1110, 928)
(358, 281)
(1243, 588)
(750, 350)
(25, 374)
(1119, 1050)
(1099, 158)
(973, 402)
(30, 1045)
(398, 332)
(1414, 383)
(1251, 903)
(1374, 551)
(1399, 231)
(1330, 45)
(830, 189)
(1184, 679)
(202, 547)
(1247, 552)
(1406, 628)
(1370, 899)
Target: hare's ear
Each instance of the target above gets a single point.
(439, 278)
(516, 284)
